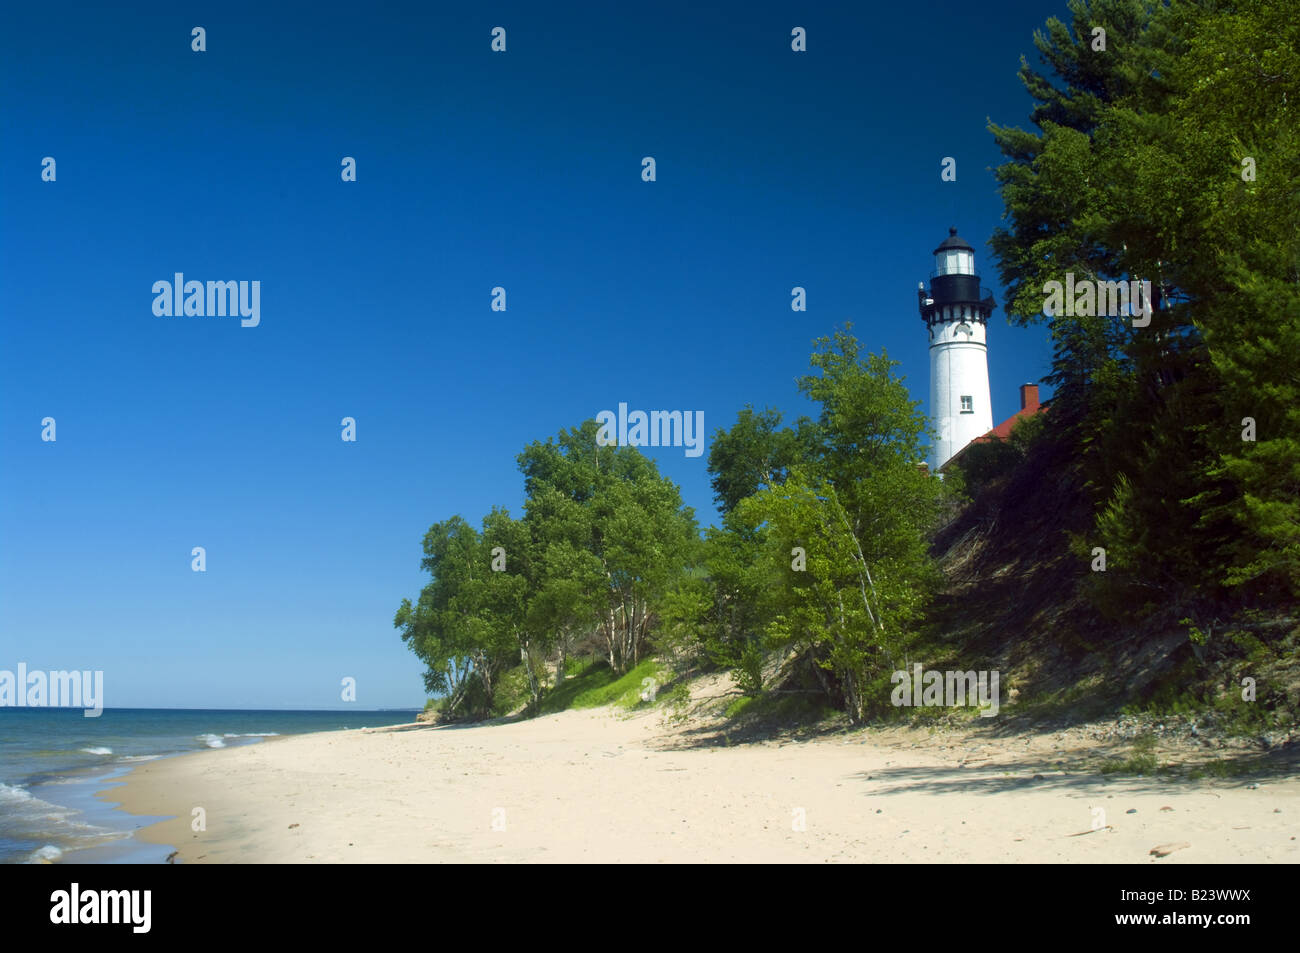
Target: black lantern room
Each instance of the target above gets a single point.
(955, 293)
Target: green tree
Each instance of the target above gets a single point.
(860, 511)
(1136, 172)
(755, 453)
(451, 627)
(630, 520)
(568, 578)
(506, 597)
(1235, 163)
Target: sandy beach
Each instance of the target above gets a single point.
(605, 786)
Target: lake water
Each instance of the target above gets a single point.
(53, 760)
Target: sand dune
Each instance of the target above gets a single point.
(604, 786)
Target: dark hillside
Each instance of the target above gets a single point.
(1017, 600)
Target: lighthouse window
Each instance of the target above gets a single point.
(967, 405)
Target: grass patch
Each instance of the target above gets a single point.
(581, 675)
(1141, 759)
(594, 685)
(805, 708)
(1218, 769)
(625, 690)
(739, 706)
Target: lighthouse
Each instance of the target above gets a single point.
(956, 313)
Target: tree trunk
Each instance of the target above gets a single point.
(534, 686)
(851, 698)
(820, 674)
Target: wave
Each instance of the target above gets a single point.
(98, 750)
(213, 740)
(36, 831)
(139, 757)
(10, 793)
(23, 812)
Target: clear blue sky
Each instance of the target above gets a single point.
(475, 169)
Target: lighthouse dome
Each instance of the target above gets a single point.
(954, 256)
(954, 241)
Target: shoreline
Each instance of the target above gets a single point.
(601, 786)
(76, 797)
(167, 833)
(60, 772)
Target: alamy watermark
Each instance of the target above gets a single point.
(216, 299)
(946, 689)
(129, 907)
(60, 689)
(1092, 298)
(658, 428)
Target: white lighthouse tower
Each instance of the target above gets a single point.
(956, 312)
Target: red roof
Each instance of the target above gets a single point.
(1003, 430)
(1029, 406)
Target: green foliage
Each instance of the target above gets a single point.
(456, 627)
(606, 554)
(623, 537)
(835, 555)
(738, 707)
(1220, 769)
(513, 692)
(983, 463)
(739, 591)
(755, 454)
(1136, 172)
(749, 667)
(585, 675)
(603, 547)
(795, 708)
(625, 691)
